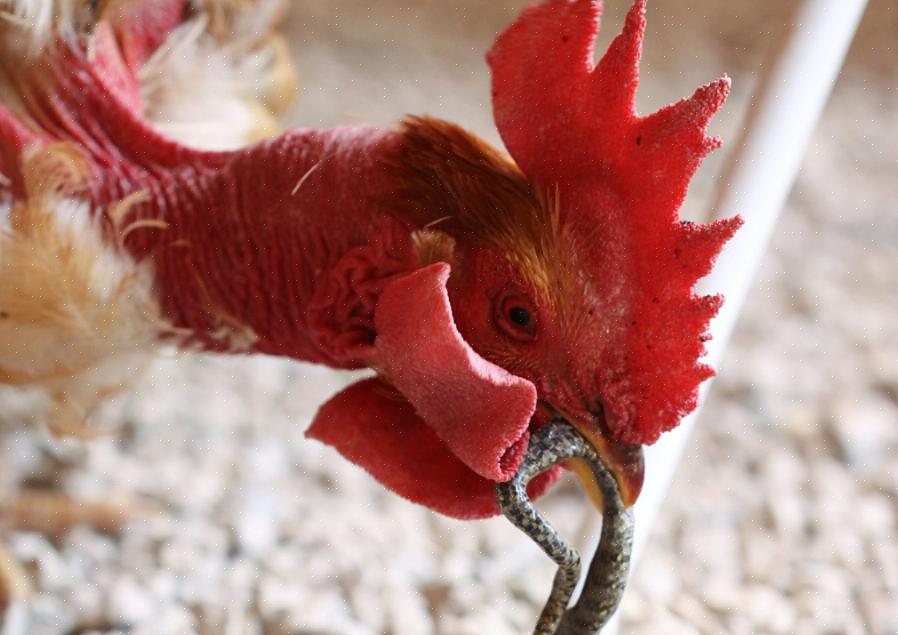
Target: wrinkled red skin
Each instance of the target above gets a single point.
(301, 270)
(244, 247)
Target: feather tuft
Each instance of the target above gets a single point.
(211, 74)
(78, 317)
(220, 78)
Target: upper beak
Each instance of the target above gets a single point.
(626, 462)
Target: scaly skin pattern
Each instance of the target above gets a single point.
(607, 576)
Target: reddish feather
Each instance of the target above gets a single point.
(626, 175)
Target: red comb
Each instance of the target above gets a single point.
(572, 124)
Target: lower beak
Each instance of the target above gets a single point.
(625, 462)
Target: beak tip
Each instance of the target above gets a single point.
(630, 474)
(625, 461)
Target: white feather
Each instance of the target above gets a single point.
(32, 23)
(78, 317)
(219, 94)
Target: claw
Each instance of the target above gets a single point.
(551, 444)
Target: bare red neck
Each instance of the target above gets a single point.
(281, 248)
(285, 245)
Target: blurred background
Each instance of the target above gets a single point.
(782, 516)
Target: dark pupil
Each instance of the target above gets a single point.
(519, 316)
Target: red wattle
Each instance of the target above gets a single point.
(375, 427)
(480, 410)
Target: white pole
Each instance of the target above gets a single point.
(795, 85)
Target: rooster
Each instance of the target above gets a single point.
(490, 292)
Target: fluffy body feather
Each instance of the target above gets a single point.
(78, 316)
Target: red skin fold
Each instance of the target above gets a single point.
(298, 241)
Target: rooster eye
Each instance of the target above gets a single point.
(520, 316)
(516, 318)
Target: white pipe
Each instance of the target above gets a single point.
(794, 88)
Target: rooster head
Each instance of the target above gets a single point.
(556, 282)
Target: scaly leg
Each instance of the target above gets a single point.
(607, 576)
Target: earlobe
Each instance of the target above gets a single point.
(478, 409)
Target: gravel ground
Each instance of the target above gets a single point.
(782, 518)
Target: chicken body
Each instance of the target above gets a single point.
(468, 279)
(284, 247)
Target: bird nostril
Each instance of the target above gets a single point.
(628, 451)
(597, 410)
